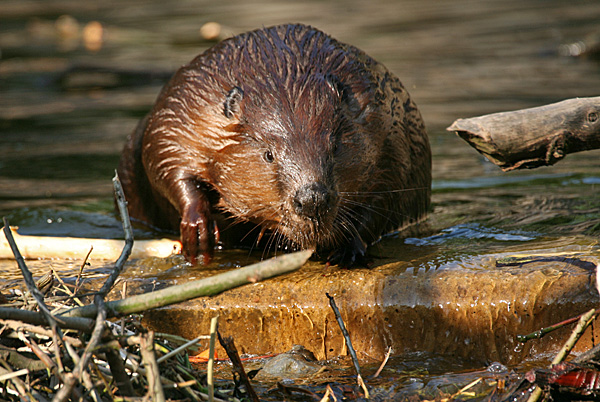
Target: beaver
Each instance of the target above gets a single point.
(282, 131)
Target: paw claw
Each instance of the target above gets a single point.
(196, 239)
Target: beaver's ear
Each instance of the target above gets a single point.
(231, 106)
(336, 85)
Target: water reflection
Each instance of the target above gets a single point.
(74, 87)
(468, 232)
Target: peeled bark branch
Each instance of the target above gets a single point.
(534, 137)
(35, 247)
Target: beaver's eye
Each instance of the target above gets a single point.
(268, 155)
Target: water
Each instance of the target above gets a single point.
(65, 110)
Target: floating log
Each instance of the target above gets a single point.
(534, 137)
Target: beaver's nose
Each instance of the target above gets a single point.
(313, 200)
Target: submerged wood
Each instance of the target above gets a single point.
(34, 247)
(340, 321)
(203, 287)
(534, 137)
(238, 368)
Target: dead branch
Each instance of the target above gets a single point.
(534, 137)
(36, 247)
(32, 317)
(57, 334)
(229, 346)
(155, 389)
(100, 329)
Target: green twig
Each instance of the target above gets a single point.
(544, 331)
(180, 348)
(204, 287)
(584, 322)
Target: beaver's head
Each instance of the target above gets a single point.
(281, 167)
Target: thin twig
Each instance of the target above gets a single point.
(362, 384)
(72, 296)
(13, 374)
(57, 334)
(152, 372)
(340, 321)
(181, 384)
(180, 349)
(40, 354)
(584, 322)
(465, 388)
(383, 363)
(36, 329)
(123, 296)
(28, 278)
(211, 358)
(232, 352)
(328, 392)
(544, 331)
(193, 393)
(126, 252)
(78, 282)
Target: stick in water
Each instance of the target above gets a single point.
(338, 317)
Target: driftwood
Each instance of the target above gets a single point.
(35, 247)
(534, 137)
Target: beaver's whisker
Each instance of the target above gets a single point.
(371, 193)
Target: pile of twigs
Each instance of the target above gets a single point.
(126, 363)
(49, 350)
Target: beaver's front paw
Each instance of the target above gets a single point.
(197, 235)
(350, 255)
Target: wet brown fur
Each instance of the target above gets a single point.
(325, 111)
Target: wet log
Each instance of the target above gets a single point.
(534, 137)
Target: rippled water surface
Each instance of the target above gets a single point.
(65, 110)
(66, 106)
